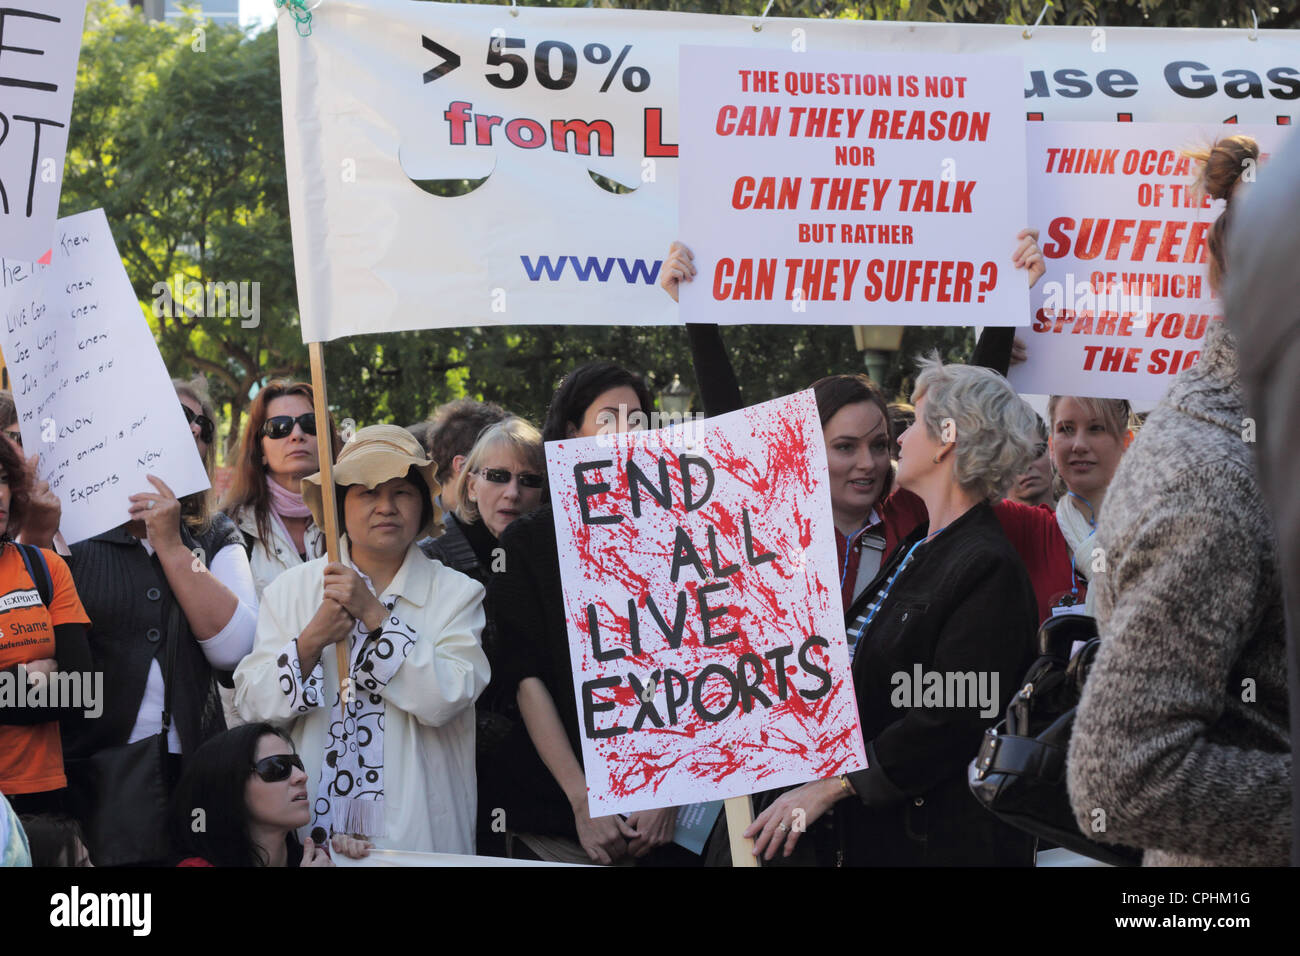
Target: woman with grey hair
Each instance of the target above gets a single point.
(942, 637)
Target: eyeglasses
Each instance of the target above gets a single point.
(277, 768)
(502, 476)
(281, 426)
(206, 427)
(15, 436)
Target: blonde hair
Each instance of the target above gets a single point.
(993, 427)
(1115, 413)
(1221, 166)
(513, 433)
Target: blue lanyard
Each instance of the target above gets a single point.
(1092, 523)
(889, 586)
(848, 546)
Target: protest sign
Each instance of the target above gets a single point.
(1126, 298)
(92, 393)
(705, 625)
(414, 131)
(39, 46)
(856, 188)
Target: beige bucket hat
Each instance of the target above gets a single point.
(375, 454)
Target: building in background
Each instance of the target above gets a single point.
(220, 11)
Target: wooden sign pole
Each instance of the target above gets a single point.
(740, 814)
(325, 449)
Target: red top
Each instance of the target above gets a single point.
(1034, 533)
(900, 514)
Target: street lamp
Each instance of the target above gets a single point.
(675, 400)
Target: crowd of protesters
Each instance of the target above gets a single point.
(227, 739)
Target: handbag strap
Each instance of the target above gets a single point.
(38, 570)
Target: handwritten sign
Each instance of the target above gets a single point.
(39, 46)
(92, 393)
(1126, 298)
(851, 188)
(705, 626)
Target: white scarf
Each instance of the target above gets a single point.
(1079, 535)
(350, 795)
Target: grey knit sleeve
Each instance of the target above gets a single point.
(1163, 754)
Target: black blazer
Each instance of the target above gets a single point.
(127, 598)
(964, 604)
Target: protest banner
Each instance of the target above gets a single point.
(39, 46)
(92, 393)
(854, 189)
(705, 626)
(440, 157)
(1126, 298)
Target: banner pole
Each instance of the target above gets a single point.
(740, 814)
(325, 449)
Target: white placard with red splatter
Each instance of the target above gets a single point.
(1126, 298)
(705, 626)
(876, 188)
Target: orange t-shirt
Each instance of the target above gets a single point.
(31, 758)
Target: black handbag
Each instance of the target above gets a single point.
(1019, 773)
(121, 793)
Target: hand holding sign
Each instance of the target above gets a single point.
(705, 625)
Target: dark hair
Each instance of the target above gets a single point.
(413, 476)
(1221, 166)
(214, 781)
(20, 489)
(196, 508)
(421, 432)
(8, 411)
(834, 392)
(53, 839)
(580, 388)
(454, 429)
(248, 479)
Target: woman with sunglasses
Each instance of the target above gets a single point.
(276, 451)
(248, 788)
(501, 480)
(140, 590)
(398, 765)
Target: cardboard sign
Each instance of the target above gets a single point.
(1126, 297)
(39, 46)
(705, 625)
(92, 393)
(852, 188)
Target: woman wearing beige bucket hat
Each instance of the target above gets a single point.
(395, 761)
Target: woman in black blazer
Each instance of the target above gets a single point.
(939, 641)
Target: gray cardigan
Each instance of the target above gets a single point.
(1182, 737)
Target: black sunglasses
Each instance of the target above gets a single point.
(277, 768)
(281, 426)
(206, 427)
(502, 476)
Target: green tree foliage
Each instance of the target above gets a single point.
(176, 133)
